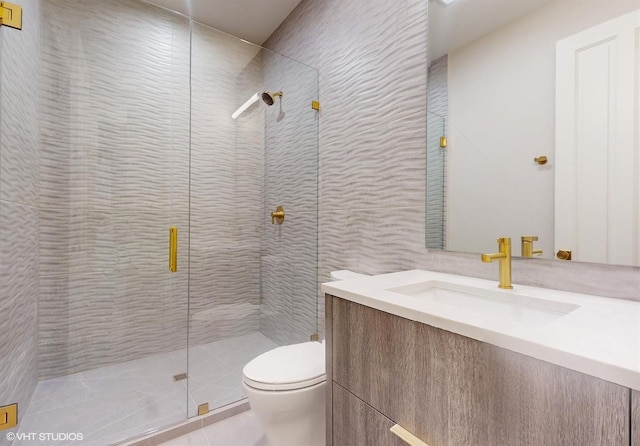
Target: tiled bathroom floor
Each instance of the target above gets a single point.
(240, 430)
(117, 402)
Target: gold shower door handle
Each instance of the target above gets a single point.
(173, 249)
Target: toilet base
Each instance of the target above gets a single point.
(290, 417)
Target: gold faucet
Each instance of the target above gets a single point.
(504, 256)
(526, 246)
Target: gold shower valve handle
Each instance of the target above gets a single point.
(277, 216)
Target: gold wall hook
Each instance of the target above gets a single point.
(278, 215)
(564, 254)
(541, 160)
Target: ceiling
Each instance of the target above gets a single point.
(251, 20)
(463, 21)
(450, 27)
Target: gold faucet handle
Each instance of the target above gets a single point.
(526, 246)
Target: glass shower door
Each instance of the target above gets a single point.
(253, 285)
(114, 179)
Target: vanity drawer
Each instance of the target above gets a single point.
(374, 357)
(359, 424)
(473, 393)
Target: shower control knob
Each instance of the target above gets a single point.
(278, 215)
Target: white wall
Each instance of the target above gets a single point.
(501, 116)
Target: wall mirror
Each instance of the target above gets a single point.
(515, 83)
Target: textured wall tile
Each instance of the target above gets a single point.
(226, 188)
(18, 351)
(19, 215)
(19, 104)
(372, 56)
(288, 313)
(381, 167)
(289, 270)
(18, 249)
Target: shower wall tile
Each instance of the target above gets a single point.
(18, 351)
(19, 213)
(372, 56)
(288, 312)
(18, 249)
(225, 297)
(295, 236)
(227, 157)
(19, 104)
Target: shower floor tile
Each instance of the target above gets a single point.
(117, 402)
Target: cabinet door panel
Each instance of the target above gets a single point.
(472, 393)
(358, 423)
(374, 357)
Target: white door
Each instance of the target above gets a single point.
(597, 158)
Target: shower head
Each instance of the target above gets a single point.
(268, 98)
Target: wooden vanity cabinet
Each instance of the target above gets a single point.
(450, 390)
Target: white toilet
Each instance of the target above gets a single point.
(286, 390)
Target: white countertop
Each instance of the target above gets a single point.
(600, 337)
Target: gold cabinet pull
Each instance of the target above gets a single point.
(173, 249)
(564, 254)
(407, 436)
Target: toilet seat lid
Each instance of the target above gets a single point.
(289, 367)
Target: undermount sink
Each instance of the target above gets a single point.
(482, 306)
